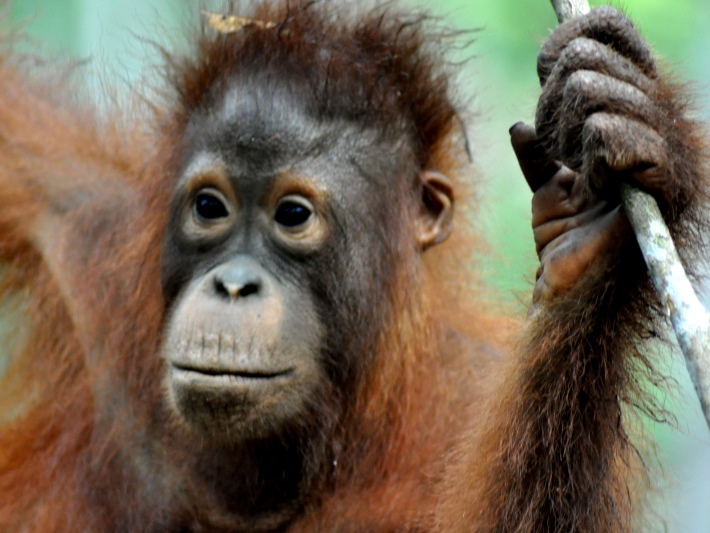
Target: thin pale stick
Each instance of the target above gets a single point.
(691, 321)
(567, 9)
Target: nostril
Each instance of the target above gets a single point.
(234, 290)
(248, 289)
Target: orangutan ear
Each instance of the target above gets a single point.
(437, 208)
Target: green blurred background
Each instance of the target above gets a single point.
(501, 83)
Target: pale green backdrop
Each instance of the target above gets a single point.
(501, 82)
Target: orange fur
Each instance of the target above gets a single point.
(444, 431)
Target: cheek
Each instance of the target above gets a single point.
(177, 270)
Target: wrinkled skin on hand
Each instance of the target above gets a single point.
(576, 233)
(603, 117)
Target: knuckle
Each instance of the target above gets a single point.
(581, 82)
(600, 123)
(579, 48)
(611, 18)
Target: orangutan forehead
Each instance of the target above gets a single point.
(271, 126)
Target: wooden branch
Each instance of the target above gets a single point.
(567, 9)
(691, 321)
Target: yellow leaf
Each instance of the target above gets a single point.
(232, 23)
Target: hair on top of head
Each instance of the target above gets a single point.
(371, 66)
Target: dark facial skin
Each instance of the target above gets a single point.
(278, 239)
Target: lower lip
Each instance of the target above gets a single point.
(218, 378)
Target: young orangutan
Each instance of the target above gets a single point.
(246, 318)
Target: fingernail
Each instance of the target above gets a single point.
(518, 123)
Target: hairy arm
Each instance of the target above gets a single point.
(66, 179)
(553, 453)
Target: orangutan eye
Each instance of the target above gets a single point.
(210, 205)
(292, 213)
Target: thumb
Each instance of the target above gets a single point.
(536, 165)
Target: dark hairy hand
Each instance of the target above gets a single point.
(604, 116)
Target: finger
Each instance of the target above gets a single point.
(586, 54)
(536, 166)
(562, 196)
(547, 232)
(605, 24)
(591, 92)
(615, 145)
